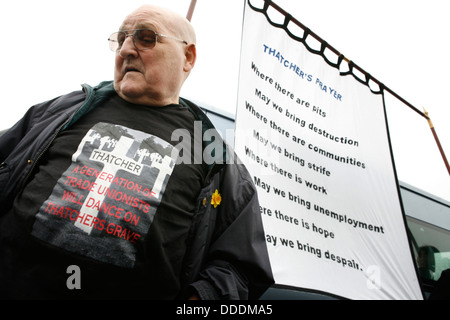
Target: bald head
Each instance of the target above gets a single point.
(155, 76)
(171, 22)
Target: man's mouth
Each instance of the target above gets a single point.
(131, 69)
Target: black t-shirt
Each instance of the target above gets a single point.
(110, 198)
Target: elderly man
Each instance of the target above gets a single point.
(95, 203)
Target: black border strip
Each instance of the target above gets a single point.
(324, 45)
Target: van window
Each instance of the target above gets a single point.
(431, 246)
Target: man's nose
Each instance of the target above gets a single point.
(128, 48)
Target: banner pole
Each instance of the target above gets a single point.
(437, 141)
(423, 114)
(191, 10)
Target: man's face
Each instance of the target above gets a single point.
(154, 76)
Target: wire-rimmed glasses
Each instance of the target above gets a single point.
(143, 39)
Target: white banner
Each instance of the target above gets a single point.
(317, 146)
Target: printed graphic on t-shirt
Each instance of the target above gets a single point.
(104, 203)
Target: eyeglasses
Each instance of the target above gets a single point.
(143, 39)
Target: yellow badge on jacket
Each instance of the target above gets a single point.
(216, 199)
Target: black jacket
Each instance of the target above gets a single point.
(227, 256)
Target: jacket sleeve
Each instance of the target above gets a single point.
(36, 120)
(236, 264)
(11, 138)
(14, 148)
(26, 139)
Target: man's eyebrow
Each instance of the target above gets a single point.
(141, 25)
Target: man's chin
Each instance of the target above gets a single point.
(128, 91)
(134, 92)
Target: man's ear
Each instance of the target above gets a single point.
(191, 57)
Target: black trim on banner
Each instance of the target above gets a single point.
(367, 77)
(407, 231)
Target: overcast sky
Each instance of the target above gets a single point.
(50, 47)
